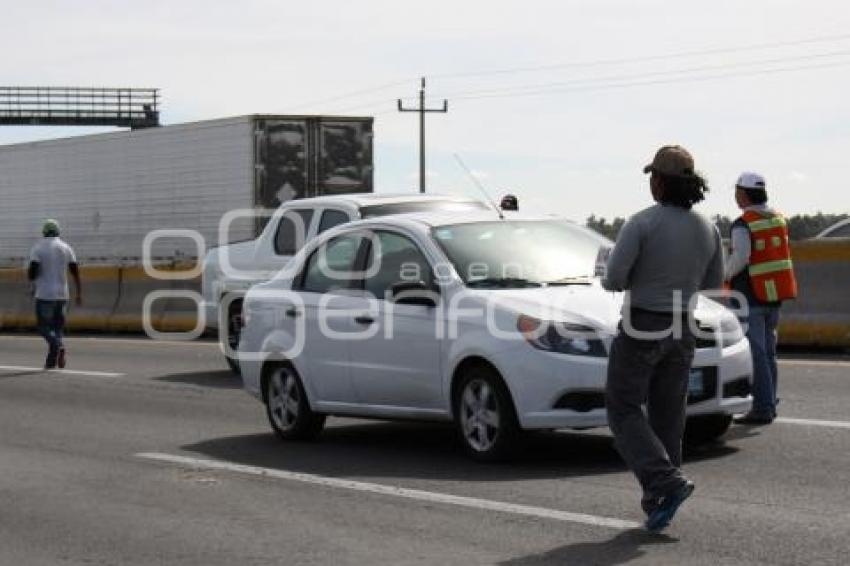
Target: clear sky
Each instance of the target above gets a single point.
(560, 102)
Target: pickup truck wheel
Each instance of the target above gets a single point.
(485, 416)
(234, 365)
(702, 429)
(234, 330)
(288, 408)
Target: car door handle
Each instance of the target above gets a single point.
(364, 320)
(292, 312)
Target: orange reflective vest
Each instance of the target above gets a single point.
(771, 270)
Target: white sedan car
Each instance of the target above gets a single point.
(496, 324)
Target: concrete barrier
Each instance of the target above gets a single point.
(101, 289)
(167, 314)
(16, 303)
(113, 297)
(820, 316)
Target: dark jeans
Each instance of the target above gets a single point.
(653, 373)
(50, 316)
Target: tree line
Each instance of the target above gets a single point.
(800, 226)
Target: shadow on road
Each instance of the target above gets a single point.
(621, 549)
(21, 373)
(739, 432)
(218, 379)
(427, 451)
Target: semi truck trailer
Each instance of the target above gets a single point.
(110, 190)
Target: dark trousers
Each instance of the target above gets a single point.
(652, 373)
(50, 317)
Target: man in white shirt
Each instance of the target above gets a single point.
(50, 261)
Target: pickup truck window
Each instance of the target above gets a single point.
(331, 218)
(331, 266)
(292, 231)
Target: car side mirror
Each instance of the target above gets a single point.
(414, 293)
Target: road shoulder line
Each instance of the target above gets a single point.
(406, 493)
(814, 422)
(64, 371)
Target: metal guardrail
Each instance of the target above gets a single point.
(79, 106)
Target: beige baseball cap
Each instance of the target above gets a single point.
(672, 160)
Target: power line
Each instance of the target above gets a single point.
(578, 64)
(365, 105)
(352, 94)
(682, 54)
(543, 92)
(620, 77)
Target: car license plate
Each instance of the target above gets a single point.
(696, 384)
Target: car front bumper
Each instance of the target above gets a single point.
(543, 383)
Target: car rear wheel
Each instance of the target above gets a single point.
(287, 406)
(234, 330)
(702, 429)
(485, 416)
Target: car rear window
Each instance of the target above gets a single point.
(423, 206)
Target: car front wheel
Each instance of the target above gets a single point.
(287, 407)
(702, 429)
(484, 415)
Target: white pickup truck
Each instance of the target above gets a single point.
(230, 270)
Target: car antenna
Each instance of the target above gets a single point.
(479, 186)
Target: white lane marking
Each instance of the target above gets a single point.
(815, 363)
(65, 371)
(813, 422)
(419, 495)
(143, 341)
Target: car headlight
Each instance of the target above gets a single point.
(730, 331)
(561, 337)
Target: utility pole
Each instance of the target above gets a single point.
(422, 110)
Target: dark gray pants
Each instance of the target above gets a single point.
(653, 373)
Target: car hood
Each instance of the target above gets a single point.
(587, 305)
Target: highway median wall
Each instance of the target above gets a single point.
(114, 298)
(820, 316)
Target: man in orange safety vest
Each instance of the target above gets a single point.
(760, 269)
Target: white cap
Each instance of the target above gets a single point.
(749, 180)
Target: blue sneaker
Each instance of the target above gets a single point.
(663, 514)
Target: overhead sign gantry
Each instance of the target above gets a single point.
(79, 106)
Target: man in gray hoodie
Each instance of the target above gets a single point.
(664, 255)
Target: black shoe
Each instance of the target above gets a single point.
(670, 503)
(754, 419)
(60, 361)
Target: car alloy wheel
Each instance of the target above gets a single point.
(485, 416)
(287, 406)
(283, 399)
(479, 415)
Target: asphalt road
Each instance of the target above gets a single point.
(152, 454)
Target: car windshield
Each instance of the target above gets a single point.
(520, 253)
(421, 206)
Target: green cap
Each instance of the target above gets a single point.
(50, 227)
